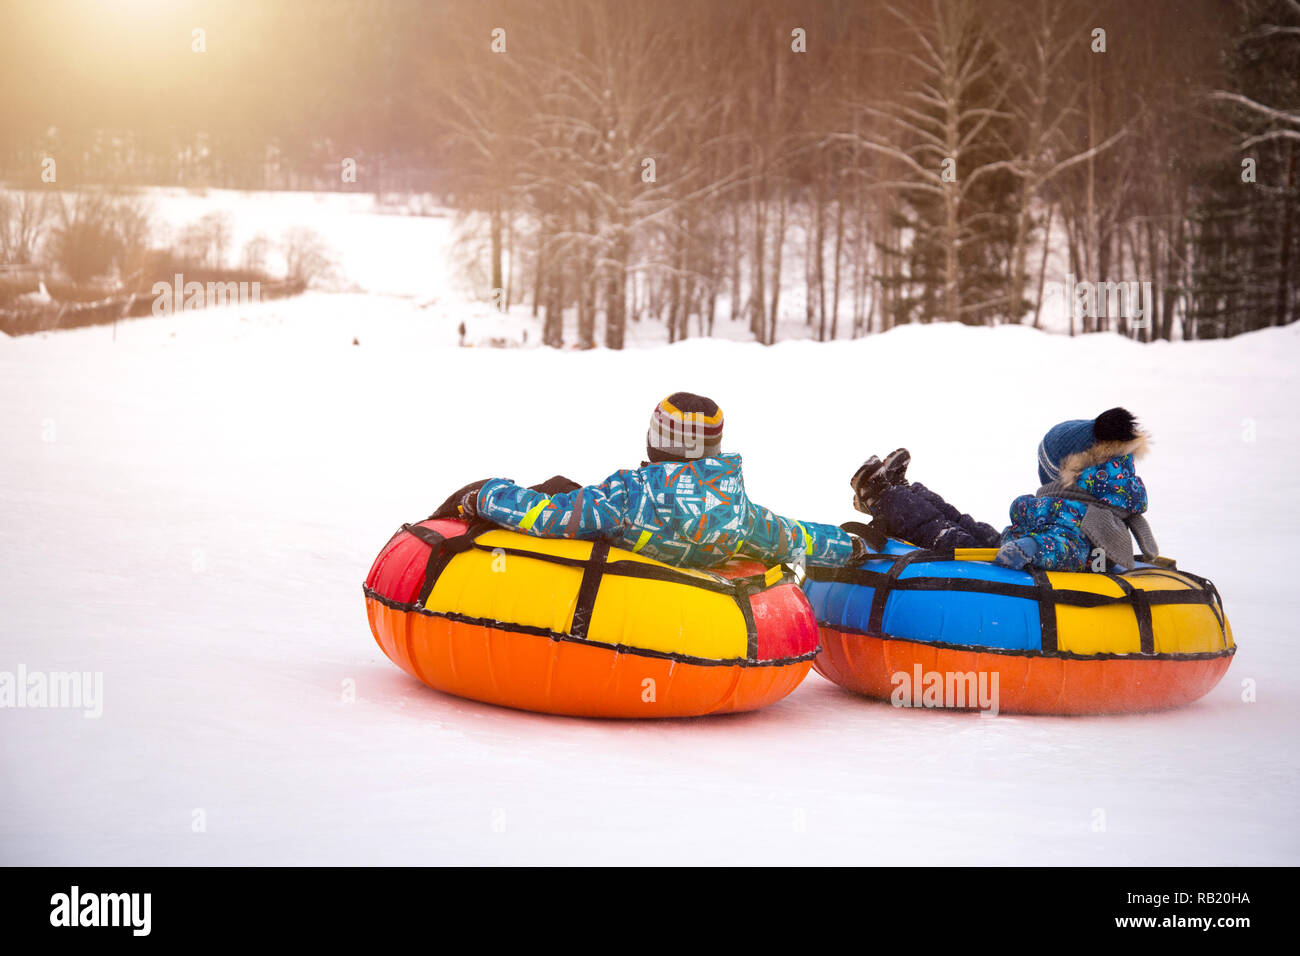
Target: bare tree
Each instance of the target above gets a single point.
(23, 216)
(932, 131)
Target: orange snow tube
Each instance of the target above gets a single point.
(952, 629)
(584, 629)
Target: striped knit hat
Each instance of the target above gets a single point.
(684, 427)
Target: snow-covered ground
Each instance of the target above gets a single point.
(191, 507)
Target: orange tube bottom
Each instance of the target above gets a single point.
(534, 672)
(1026, 684)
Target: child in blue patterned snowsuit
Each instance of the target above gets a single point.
(1091, 502)
(686, 506)
(1081, 519)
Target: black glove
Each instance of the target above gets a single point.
(454, 506)
(558, 485)
(873, 537)
(860, 551)
(469, 504)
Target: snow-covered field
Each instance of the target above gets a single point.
(189, 507)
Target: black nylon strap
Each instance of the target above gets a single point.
(1146, 632)
(873, 536)
(587, 590)
(1046, 611)
(430, 537)
(744, 588)
(1227, 651)
(881, 596)
(557, 636)
(1201, 591)
(867, 578)
(631, 569)
(1141, 603)
(441, 550)
(599, 565)
(575, 516)
(434, 565)
(1211, 593)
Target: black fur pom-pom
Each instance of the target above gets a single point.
(1115, 424)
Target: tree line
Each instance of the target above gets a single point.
(858, 164)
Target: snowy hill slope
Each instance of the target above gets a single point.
(191, 508)
(417, 251)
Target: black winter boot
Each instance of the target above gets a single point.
(874, 477)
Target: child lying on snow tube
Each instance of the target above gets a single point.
(686, 506)
(1090, 501)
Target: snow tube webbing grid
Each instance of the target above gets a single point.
(443, 549)
(1041, 592)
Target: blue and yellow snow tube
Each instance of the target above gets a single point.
(911, 622)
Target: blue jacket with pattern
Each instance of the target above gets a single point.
(1055, 525)
(690, 514)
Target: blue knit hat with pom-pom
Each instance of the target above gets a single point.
(1073, 437)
